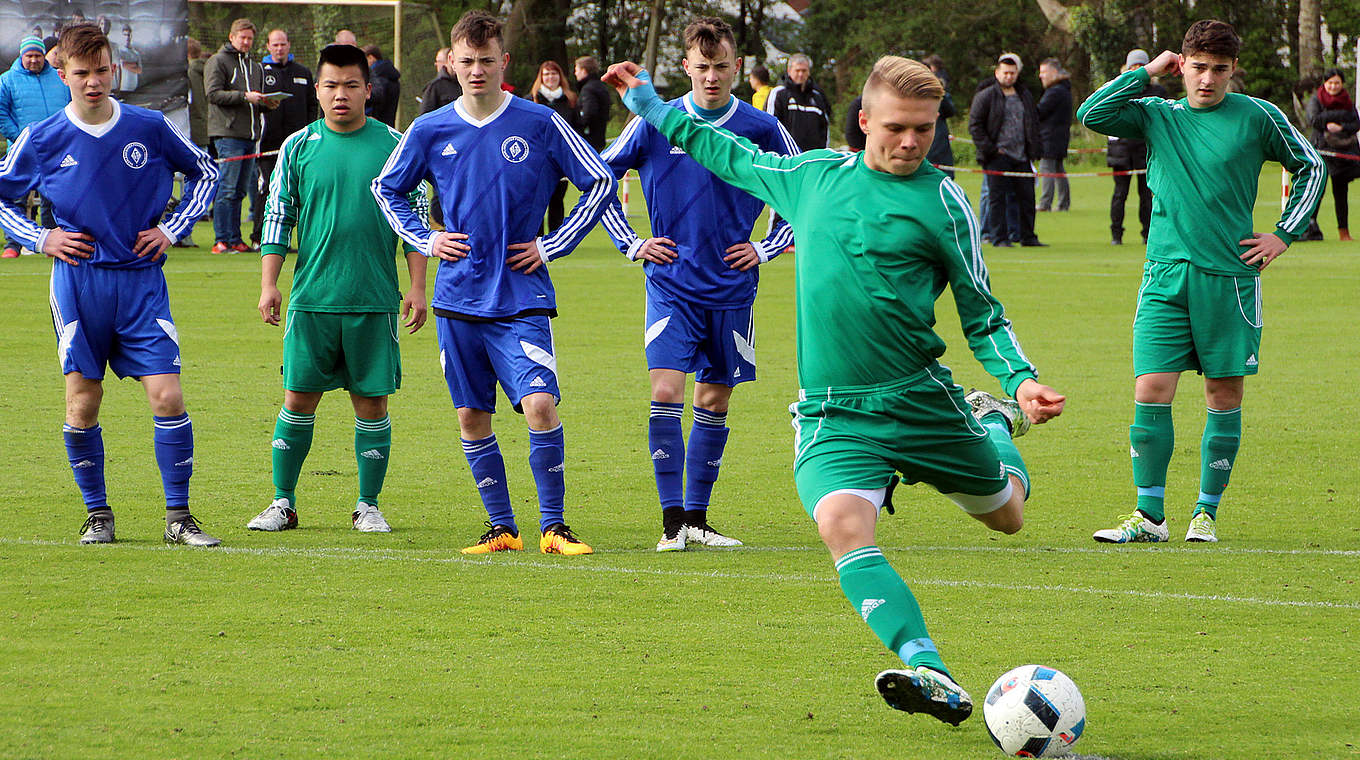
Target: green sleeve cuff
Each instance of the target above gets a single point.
(275, 249)
(1013, 382)
(1285, 236)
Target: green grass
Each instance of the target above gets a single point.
(325, 643)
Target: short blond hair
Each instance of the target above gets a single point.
(903, 77)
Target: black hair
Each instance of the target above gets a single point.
(341, 56)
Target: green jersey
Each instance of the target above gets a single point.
(1204, 167)
(875, 251)
(346, 258)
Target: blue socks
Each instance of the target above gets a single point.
(547, 460)
(707, 439)
(85, 452)
(666, 442)
(488, 472)
(174, 443)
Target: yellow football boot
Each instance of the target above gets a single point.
(558, 539)
(498, 539)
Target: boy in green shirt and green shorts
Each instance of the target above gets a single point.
(882, 233)
(342, 311)
(1199, 306)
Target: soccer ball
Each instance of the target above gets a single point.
(1034, 711)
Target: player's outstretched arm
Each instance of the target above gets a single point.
(733, 159)
(1039, 402)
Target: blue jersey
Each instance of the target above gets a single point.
(110, 180)
(701, 213)
(494, 178)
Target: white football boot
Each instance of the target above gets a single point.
(1201, 529)
(279, 515)
(367, 519)
(1133, 528)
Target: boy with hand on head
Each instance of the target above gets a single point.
(1199, 305)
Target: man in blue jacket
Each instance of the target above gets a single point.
(29, 92)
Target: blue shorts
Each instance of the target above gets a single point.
(714, 344)
(114, 317)
(518, 353)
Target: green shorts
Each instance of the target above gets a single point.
(1192, 320)
(323, 351)
(855, 438)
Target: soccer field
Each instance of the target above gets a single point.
(323, 642)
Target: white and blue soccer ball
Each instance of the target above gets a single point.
(1034, 711)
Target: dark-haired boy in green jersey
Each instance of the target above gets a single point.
(885, 232)
(1199, 306)
(342, 311)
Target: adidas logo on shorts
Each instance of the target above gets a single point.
(280, 444)
(371, 454)
(869, 606)
(487, 482)
(1251, 360)
(537, 382)
(1220, 464)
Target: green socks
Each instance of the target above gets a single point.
(1217, 452)
(999, 432)
(292, 441)
(881, 597)
(1151, 438)
(372, 445)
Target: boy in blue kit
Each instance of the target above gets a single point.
(108, 169)
(495, 160)
(701, 273)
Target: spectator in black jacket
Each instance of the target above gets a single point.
(551, 89)
(941, 153)
(281, 74)
(800, 106)
(1004, 125)
(1123, 154)
(443, 89)
(386, 81)
(1332, 116)
(593, 103)
(1055, 132)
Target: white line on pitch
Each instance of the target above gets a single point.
(587, 565)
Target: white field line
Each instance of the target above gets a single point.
(589, 565)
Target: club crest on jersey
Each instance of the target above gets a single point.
(515, 149)
(134, 155)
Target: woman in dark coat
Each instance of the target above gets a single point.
(1332, 115)
(552, 89)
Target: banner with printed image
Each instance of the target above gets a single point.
(148, 39)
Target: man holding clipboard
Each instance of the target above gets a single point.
(288, 90)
